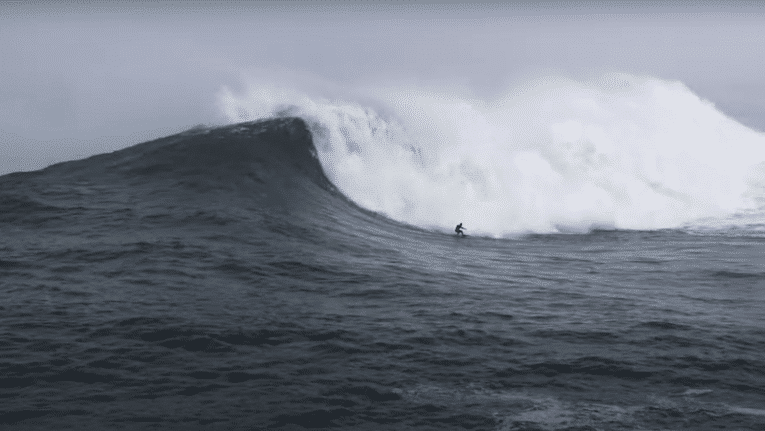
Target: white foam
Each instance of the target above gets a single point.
(697, 392)
(747, 411)
(555, 155)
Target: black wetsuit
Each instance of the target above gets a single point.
(458, 229)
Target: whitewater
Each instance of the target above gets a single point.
(552, 155)
(297, 268)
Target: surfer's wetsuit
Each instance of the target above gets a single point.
(458, 229)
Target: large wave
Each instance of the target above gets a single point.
(554, 155)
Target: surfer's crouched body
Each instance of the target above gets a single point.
(458, 229)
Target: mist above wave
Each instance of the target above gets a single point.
(554, 155)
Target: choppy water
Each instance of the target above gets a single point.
(216, 279)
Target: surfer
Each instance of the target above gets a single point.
(458, 229)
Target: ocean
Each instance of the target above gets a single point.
(231, 278)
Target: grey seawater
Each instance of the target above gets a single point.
(174, 285)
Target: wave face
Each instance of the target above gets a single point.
(264, 163)
(261, 176)
(556, 155)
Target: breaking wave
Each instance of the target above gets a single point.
(556, 155)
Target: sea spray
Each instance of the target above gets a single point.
(554, 155)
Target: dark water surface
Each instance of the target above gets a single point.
(215, 279)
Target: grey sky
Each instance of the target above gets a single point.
(83, 78)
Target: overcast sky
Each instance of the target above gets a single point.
(82, 78)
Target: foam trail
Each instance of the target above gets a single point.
(555, 155)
